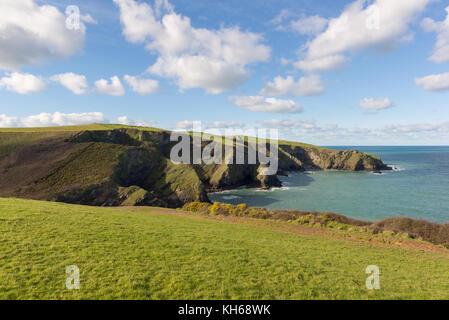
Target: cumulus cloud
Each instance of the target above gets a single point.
(419, 128)
(306, 86)
(376, 104)
(52, 119)
(31, 34)
(188, 125)
(381, 26)
(309, 25)
(113, 88)
(214, 60)
(23, 83)
(8, 122)
(74, 82)
(441, 53)
(283, 15)
(87, 18)
(184, 125)
(434, 82)
(142, 86)
(138, 123)
(287, 20)
(301, 128)
(311, 129)
(303, 125)
(332, 62)
(263, 104)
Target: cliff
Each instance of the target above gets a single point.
(108, 165)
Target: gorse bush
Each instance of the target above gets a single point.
(225, 209)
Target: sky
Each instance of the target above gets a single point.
(328, 72)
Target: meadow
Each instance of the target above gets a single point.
(152, 253)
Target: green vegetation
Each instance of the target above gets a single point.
(398, 227)
(10, 142)
(92, 127)
(162, 254)
(91, 164)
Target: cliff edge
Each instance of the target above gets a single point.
(109, 165)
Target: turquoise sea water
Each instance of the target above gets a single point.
(419, 189)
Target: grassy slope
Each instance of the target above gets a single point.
(91, 127)
(124, 254)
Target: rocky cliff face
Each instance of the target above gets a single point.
(130, 167)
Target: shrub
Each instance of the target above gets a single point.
(198, 207)
(399, 227)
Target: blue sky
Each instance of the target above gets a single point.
(380, 77)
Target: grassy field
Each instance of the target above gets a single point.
(91, 127)
(162, 254)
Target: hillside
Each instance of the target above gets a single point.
(112, 165)
(151, 253)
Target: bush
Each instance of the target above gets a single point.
(198, 207)
(400, 227)
(416, 229)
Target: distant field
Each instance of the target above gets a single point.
(92, 127)
(163, 254)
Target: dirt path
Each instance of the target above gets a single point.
(282, 226)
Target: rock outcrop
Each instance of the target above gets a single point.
(132, 167)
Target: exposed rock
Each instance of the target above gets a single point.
(127, 166)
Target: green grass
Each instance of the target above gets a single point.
(131, 255)
(12, 141)
(92, 165)
(91, 127)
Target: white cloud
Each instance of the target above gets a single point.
(55, 119)
(31, 34)
(87, 18)
(379, 26)
(224, 124)
(333, 62)
(262, 104)
(113, 88)
(306, 86)
(139, 123)
(8, 122)
(309, 128)
(214, 60)
(376, 104)
(303, 125)
(74, 82)
(23, 83)
(435, 82)
(283, 15)
(206, 125)
(309, 25)
(142, 86)
(441, 53)
(419, 128)
(214, 76)
(184, 125)
(67, 119)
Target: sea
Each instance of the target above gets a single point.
(418, 188)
